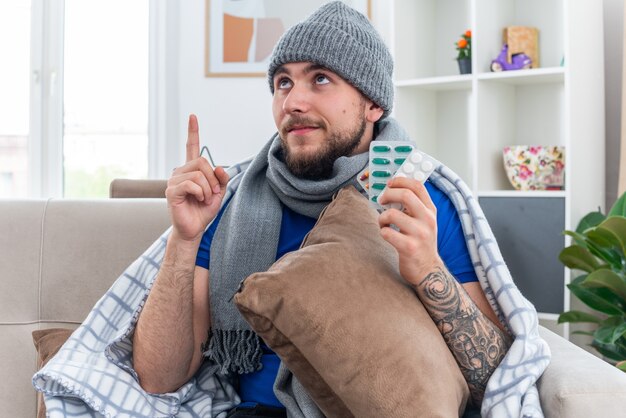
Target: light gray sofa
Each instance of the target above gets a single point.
(57, 257)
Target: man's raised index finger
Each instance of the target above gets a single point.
(193, 139)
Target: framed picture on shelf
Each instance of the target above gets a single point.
(240, 34)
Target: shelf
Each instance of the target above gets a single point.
(515, 114)
(447, 83)
(466, 120)
(549, 17)
(464, 82)
(522, 193)
(424, 35)
(441, 117)
(525, 77)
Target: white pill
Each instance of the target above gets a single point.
(408, 167)
(400, 175)
(427, 166)
(416, 157)
(419, 176)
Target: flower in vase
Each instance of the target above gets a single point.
(464, 45)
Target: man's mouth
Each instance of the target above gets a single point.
(301, 129)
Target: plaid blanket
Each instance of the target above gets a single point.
(92, 374)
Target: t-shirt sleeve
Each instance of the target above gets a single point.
(204, 252)
(451, 242)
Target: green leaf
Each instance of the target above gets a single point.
(611, 330)
(615, 226)
(615, 352)
(603, 335)
(608, 279)
(619, 207)
(589, 221)
(612, 257)
(600, 299)
(579, 238)
(621, 365)
(578, 316)
(602, 237)
(619, 332)
(577, 257)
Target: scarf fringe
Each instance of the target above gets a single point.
(236, 351)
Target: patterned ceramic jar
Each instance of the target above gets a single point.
(535, 167)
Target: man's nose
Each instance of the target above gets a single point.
(298, 100)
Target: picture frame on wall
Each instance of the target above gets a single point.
(240, 34)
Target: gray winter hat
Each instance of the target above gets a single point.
(344, 41)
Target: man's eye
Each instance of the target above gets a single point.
(283, 83)
(321, 79)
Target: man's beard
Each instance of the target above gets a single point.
(320, 165)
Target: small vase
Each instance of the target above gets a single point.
(465, 65)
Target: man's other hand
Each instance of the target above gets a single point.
(415, 235)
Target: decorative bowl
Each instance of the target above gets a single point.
(535, 167)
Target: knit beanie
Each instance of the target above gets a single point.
(344, 41)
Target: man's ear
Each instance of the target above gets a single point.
(373, 112)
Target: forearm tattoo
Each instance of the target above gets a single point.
(478, 345)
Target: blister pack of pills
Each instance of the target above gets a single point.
(389, 159)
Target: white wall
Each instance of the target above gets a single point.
(234, 114)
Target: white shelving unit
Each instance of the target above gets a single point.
(466, 120)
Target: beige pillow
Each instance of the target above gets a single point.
(47, 343)
(342, 319)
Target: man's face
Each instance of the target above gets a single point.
(320, 117)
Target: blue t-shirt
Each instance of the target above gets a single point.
(257, 387)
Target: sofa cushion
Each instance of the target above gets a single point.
(47, 343)
(344, 322)
(87, 245)
(577, 384)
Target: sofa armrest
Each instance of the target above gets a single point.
(579, 384)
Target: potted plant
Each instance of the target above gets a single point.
(599, 251)
(464, 48)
